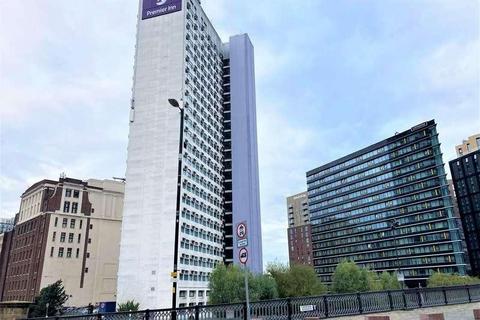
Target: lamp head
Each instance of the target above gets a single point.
(174, 103)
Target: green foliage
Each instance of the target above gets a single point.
(383, 281)
(389, 281)
(439, 279)
(296, 281)
(130, 305)
(350, 278)
(227, 285)
(54, 295)
(262, 287)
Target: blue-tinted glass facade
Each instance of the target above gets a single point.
(6, 225)
(466, 178)
(354, 201)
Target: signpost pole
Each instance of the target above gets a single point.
(242, 244)
(247, 298)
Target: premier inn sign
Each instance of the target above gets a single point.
(155, 8)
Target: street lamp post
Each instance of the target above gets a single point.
(174, 103)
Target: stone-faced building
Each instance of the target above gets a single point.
(69, 230)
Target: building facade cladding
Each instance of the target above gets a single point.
(178, 55)
(242, 127)
(5, 247)
(297, 208)
(299, 230)
(70, 230)
(353, 202)
(25, 264)
(458, 221)
(466, 177)
(300, 245)
(470, 145)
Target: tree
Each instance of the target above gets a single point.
(349, 278)
(296, 280)
(383, 281)
(130, 305)
(227, 285)
(439, 279)
(54, 295)
(262, 287)
(389, 281)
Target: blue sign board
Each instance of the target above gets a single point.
(155, 8)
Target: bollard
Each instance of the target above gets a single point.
(432, 316)
(476, 314)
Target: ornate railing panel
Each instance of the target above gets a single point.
(320, 307)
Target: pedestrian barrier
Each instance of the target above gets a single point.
(321, 307)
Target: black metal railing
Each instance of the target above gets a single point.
(320, 307)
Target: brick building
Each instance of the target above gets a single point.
(299, 230)
(69, 230)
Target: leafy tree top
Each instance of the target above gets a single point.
(129, 305)
(54, 295)
(227, 285)
(296, 280)
(439, 279)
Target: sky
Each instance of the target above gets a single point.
(331, 77)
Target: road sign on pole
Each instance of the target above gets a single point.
(243, 255)
(242, 243)
(242, 230)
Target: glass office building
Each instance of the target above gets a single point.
(466, 178)
(386, 207)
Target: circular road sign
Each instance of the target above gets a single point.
(243, 255)
(241, 230)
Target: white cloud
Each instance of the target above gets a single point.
(452, 66)
(66, 70)
(65, 83)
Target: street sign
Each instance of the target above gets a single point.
(242, 243)
(242, 230)
(243, 255)
(307, 308)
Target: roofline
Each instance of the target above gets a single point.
(37, 184)
(60, 181)
(372, 147)
(471, 153)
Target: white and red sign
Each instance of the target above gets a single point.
(242, 230)
(243, 255)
